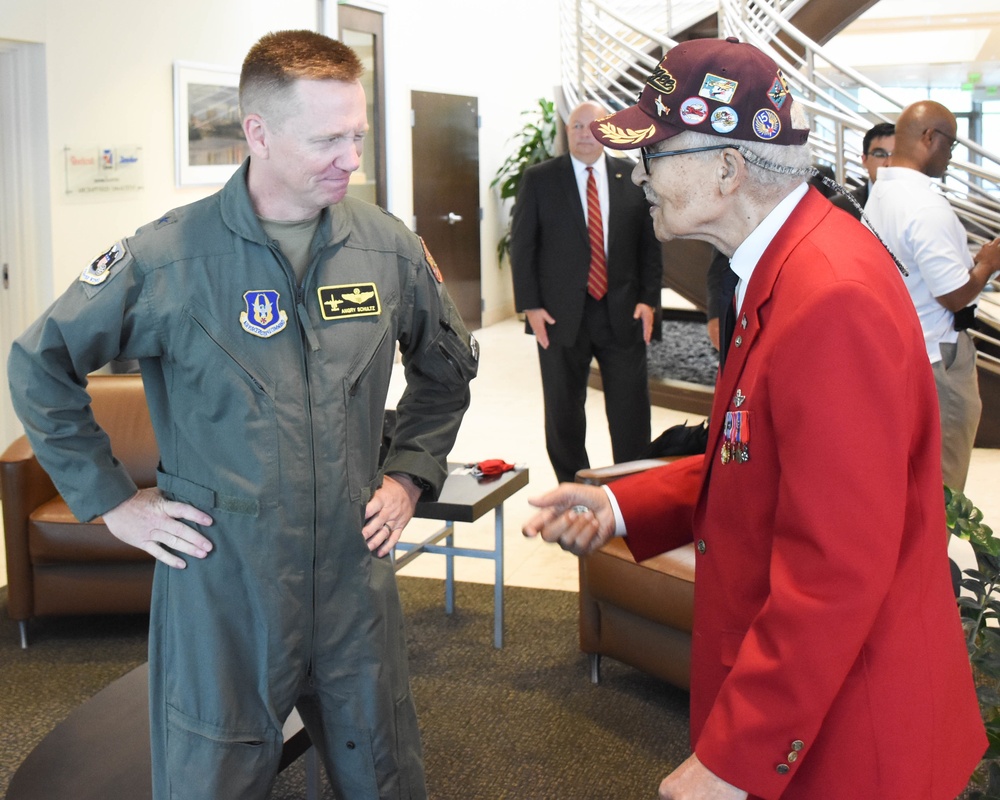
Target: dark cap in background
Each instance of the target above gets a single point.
(722, 87)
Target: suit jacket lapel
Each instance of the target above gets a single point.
(807, 214)
(571, 189)
(619, 181)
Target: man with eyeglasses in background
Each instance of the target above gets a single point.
(920, 227)
(827, 658)
(876, 147)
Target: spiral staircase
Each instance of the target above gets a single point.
(608, 47)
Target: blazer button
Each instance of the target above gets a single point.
(701, 546)
(738, 341)
(798, 744)
(783, 769)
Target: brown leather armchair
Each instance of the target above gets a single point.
(56, 564)
(637, 613)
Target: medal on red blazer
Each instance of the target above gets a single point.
(736, 438)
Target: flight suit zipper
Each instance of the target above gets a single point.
(307, 334)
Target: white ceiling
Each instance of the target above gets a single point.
(941, 43)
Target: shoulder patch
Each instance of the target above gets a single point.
(431, 263)
(99, 270)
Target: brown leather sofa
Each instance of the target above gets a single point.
(637, 613)
(56, 564)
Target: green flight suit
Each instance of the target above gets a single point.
(267, 400)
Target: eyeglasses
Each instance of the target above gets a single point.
(647, 156)
(878, 152)
(954, 141)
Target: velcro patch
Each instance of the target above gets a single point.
(99, 269)
(431, 263)
(349, 300)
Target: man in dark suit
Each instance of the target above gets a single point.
(574, 315)
(876, 149)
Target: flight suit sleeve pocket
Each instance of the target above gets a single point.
(453, 356)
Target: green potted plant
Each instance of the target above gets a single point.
(980, 611)
(536, 143)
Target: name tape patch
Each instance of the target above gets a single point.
(349, 300)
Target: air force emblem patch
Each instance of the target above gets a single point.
(99, 269)
(349, 300)
(263, 318)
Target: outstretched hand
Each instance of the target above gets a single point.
(577, 517)
(149, 521)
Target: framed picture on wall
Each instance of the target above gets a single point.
(208, 134)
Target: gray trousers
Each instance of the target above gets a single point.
(960, 406)
(236, 642)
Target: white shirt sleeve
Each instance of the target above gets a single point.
(619, 519)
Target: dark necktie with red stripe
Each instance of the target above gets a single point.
(597, 280)
(729, 282)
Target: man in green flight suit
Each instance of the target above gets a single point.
(265, 320)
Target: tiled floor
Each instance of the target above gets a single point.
(505, 421)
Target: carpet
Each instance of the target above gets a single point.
(522, 722)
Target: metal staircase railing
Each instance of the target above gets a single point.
(609, 47)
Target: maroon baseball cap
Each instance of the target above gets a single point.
(723, 87)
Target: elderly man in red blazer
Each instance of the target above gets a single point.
(827, 659)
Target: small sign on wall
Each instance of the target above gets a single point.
(104, 170)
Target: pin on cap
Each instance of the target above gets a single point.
(722, 87)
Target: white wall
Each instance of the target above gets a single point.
(109, 74)
(507, 55)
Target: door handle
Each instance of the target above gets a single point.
(453, 218)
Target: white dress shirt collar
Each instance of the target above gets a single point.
(745, 259)
(581, 169)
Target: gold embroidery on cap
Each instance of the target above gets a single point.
(617, 135)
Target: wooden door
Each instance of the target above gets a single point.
(446, 193)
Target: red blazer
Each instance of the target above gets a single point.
(828, 659)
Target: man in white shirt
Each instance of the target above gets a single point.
(920, 227)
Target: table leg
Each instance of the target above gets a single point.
(449, 571)
(498, 579)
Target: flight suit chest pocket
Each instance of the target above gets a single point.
(223, 399)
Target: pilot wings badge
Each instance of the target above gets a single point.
(263, 318)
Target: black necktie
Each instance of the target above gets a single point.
(728, 291)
